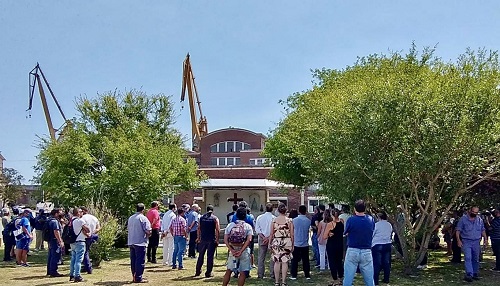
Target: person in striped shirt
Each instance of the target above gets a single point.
(178, 228)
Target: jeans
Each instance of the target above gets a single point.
(381, 260)
(314, 241)
(471, 249)
(179, 247)
(261, 268)
(193, 235)
(300, 253)
(137, 261)
(361, 258)
(209, 248)
(87, 264)
(77, 252)
(322, 256)
(53, 257)
(168, 248)
(154, 240)
(495, 245)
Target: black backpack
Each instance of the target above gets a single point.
(69, 236)
(47, 232)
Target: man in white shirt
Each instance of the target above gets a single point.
(263, 230)
(168, 239)
(78, 247)
(94, 227)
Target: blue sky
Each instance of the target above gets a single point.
(246, 55)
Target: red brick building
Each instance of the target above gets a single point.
(232, 160)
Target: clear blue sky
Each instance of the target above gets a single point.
(246, 55)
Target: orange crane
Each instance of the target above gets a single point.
(35, 80)
(199, 127)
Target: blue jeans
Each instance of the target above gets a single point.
(315, 248)
(77, 252)
(471, 249)
(381, 260)
(361, 258)
(137, 261)
(179, 247)
(53, 257)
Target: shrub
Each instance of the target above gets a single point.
(109, 230)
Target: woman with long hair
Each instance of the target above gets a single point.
(333, 233)
(327, 218)
(281, 244)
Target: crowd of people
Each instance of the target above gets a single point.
(72, 232)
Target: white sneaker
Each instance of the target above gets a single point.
(293, 278)
(422, 266)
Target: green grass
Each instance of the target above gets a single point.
(117, 272)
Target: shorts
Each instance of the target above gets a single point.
(23, 244)
(241, 263)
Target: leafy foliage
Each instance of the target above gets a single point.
(107, 235)
(121, 151)
(396, 129)
(10, 186)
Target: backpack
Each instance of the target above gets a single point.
(237, 234)
(47, 232)
(69, 236)
(9, 228)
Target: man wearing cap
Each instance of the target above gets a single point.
(192, 222)
(208, 239)
(40, 220)
(469, 231)
(23, 237)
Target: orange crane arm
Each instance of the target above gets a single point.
(198, 128)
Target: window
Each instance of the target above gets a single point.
(257, 161)
(315, 201)
(222, 161)
(229, 146)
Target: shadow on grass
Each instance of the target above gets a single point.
(113, 283)
(50, 283)
(30, 277)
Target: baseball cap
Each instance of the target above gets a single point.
(27, 210)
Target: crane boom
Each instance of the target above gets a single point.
(35, 80)
(199, 127)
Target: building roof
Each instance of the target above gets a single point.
(243, 183)
(2, 157)
(235, 129)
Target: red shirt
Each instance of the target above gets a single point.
(154, 218)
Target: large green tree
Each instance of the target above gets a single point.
(399, 129)
(121, 150)
(10, 186)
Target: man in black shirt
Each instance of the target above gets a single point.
(208, 239)
(495, 238)
(230, 215)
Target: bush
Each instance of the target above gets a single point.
(107, 235)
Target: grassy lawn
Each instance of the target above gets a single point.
(117, 272)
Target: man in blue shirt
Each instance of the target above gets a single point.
(301, 225)
(55, 243)
(359, 231)
(192, 222)
(139, 229)
(23, 237)
(469, 231)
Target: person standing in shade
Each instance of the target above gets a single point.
(154, 218)
(94, 227)
(40, 221)
(178, 228)
(301, 225)
(55, 243)
(208, 239)
(495, 238)
(192, 222)
(456, 250)
(282, 241)
(381, 248)
(168, 239)
(469, 231)
(359, 231)
(139, 229)
(78, 247)
(315, 220)
(263, 230)
(334, 231)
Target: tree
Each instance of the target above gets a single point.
(408, 130)
(10, 186)
(122, 150)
